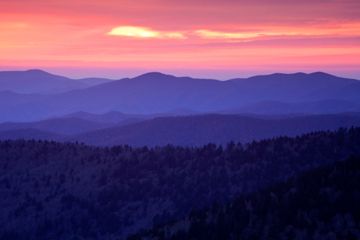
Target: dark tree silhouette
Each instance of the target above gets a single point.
(52, 190)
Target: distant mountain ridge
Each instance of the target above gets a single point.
(109, 117)
(195, 130)
(160, 93)
(61, 126)
(199, 130)
(39, 81)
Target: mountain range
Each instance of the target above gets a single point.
(97, 158)
(195, 130)
(36, 95)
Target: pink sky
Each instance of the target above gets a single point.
(220, 39)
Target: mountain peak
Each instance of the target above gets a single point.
(296, 75)
(36, 71)
(153, 75)
(321, 74)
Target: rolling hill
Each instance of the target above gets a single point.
(62, 126)
(39, 81)
(215, 128)
(195, 130)
(36, 81)
(29, 134)
(109, 117)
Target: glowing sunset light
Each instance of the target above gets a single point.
(241, 37)
(129, 31)
(142, 32)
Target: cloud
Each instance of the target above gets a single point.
(264, 32)
(232, 35)
(335, 30)
(143, 32)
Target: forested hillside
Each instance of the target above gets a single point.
(53, 190)
(321, 204)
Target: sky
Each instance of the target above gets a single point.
(203, 38)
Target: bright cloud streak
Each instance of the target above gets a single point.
(219, 35)
(143, 32)
(276, 31)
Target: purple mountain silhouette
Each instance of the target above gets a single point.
(160, 93)
(215, 128)
(38, 81)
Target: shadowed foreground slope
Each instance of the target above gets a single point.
(54, 190)
(320, 204)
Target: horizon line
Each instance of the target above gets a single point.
(176, 75)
